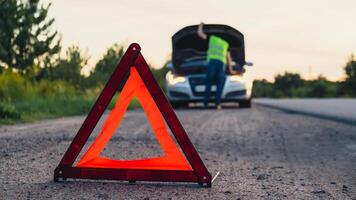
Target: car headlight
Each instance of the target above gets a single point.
(174, 79)
(237, 78)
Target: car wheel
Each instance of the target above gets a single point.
(174, 104)
(245, 103)
(177, 105)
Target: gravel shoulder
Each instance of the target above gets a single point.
(261, 153)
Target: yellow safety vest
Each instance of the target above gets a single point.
(217, 48)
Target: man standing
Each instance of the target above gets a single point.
(217, 56)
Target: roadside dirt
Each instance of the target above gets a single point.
(261, 153)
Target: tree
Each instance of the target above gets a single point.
(319, 88)
(286, 82)
(68, 69)
(25, 33)
(105, 66)
(262, 88)
(350, 81)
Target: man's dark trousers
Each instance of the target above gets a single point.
(215, 71)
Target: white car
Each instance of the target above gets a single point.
(185, 80)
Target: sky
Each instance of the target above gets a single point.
(307, 37)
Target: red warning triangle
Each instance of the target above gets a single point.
(173, 158)
(173, 166)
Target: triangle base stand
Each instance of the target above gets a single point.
(130, 175)
(198, 173)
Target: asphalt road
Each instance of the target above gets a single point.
(342, 110)
(262, 153)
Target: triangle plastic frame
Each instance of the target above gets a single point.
(133, 58)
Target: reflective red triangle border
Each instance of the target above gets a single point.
(133, 57)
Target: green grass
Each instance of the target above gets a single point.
(38, 108)
(23, 100)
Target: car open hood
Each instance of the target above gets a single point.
(189, 47)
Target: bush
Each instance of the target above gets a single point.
(55, 88)
(8, 111)
(49, 107)
(23, 100)
(13, 86)
(160, 76)
(293, 86)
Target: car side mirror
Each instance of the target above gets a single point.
(170, 66)
(250, 64)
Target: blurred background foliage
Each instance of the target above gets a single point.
(291, 85)
(37, 82)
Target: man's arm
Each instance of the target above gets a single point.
(229, 66)
(229, 63)
(201, 33)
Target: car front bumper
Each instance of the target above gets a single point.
(187, 92)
